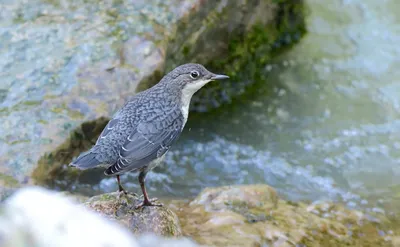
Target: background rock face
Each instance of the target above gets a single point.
(66, 63)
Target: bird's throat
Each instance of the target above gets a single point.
(187, 93)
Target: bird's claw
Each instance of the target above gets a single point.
(149, 203)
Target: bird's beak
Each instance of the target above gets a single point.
(219, 77)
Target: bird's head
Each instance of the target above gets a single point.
(191, 77)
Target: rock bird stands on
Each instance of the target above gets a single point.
(140, 133)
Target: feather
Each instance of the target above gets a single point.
(85, 161)
(149, 141)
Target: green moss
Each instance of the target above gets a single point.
(73, 114)
(106, 197)
(26, 105)
(169, 225)
(242, 52)
(250, 52)
(8, 181)
(186, 50)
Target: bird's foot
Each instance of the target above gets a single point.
(148, 203)
(123, 194)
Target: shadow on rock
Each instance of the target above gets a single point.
(53, 169)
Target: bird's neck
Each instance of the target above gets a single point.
(180, 95)
(186, 95)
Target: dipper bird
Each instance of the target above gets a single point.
(143, 130)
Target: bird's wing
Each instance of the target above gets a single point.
(90, 159)
(149, 141)
(110, 126)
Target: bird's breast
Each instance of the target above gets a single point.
(185, 114)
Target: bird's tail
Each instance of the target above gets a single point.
(86, 160)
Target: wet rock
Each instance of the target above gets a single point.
(66, 63)
(254, 216)
(38, 217)
(156, 220)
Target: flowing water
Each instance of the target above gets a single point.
(325, 125)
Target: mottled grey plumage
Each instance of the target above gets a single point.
(144, 129)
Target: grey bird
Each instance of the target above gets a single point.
(143, 130)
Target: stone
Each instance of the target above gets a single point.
(38, 217)
(66, 67)
(238, 38)
(253, 215)
(121, 208)
(237, 198)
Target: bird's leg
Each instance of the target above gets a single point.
(120, 188)
(146, 200)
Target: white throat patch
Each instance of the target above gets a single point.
(187, 93)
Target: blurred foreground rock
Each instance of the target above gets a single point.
(157, 220)
(40, 218)
(253, 215)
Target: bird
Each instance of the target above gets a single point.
(139, 135)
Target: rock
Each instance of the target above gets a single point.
(68, 65)
(157, 220)
(238, 38)
(252, 215)
(41, 218)
(37, 217)
(151, 241)
(237, 198)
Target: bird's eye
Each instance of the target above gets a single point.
(194, 74)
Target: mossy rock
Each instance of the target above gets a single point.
(158, 220)
(237, 38)
(252, 215)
